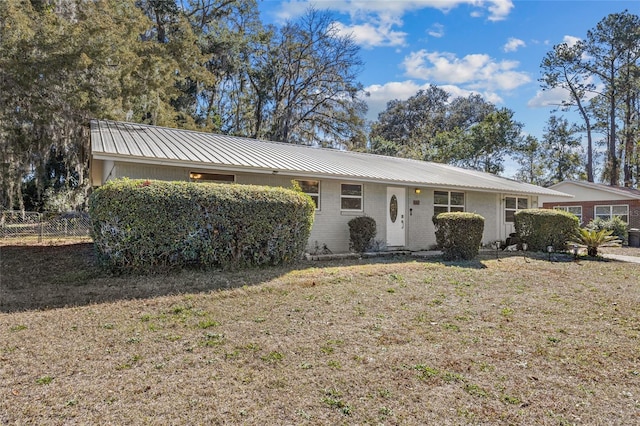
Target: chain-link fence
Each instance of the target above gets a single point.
(39, 226)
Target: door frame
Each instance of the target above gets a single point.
(396, 230)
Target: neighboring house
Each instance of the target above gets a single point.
(591, 200)
(402, 195)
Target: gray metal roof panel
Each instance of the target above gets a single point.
(152, 143)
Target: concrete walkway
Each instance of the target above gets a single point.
(435, 253)
(621, 258)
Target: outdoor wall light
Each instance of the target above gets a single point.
(417, 190)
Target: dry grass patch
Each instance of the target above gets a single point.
(395, 341)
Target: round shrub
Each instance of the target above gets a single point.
(459, 234)
(617, 226)
(144, 226)
(362, 231)
(540, 228)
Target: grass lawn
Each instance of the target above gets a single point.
(390, 341)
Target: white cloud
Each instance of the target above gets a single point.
(513, 44)
(477, 71)
(436, 30)
(378, 22)
(548, 98)
(570, 40)
(380, 94)
(372, 34)
(500, 9)
(554, 97)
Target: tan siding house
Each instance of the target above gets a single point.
(402, 195)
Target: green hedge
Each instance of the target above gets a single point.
(617, 226)
(362, 231)
(459, 234)
(540, 228)
(143, 226)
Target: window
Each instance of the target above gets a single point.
(576, 210)
(607, 212)
(447, 201)
(512, 205)
(351, 197)
(312, 189)
(211, 177)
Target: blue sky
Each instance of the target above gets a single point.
(492, 47)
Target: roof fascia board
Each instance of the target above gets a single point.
(300, 174)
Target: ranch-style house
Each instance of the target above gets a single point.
(402, 195)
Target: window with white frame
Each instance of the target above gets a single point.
(447, 201)
(576, 210)
(351, 197)
(312, 189)
(608, 212)
(512, 205)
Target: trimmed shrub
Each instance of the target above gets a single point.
(617, 226)
(143, 226)
(459, 234)
(540, 228)
(362, 231)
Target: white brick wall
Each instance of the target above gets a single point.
(486, 205)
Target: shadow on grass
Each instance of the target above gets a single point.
(38, 277)
(34, 277)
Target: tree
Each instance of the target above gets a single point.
(66, 65)
(561, 151)
(563, 68)
(230, 36)
(468, 132)
(315, 92)
(613, 51)
(17, 33)
(531, 158)
(412, 125)
(487, 143)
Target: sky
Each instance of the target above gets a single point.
(491, 47)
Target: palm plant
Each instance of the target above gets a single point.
(593, 239)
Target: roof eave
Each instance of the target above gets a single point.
(302, 173)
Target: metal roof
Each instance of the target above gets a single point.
(112, 140)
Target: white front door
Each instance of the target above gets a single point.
(396, 216)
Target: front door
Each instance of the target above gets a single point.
(396, 216)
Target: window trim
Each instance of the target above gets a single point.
(448, 206)
(566, 209)
(611, 215)
(312, 194)
(359, 197)
(516, 208)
